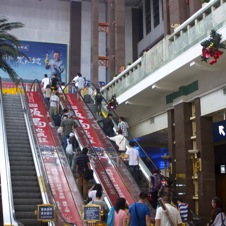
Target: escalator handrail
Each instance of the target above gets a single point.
(47, 182)
(6, 183)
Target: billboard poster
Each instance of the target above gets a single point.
(41, 61)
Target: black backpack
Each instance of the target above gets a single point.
(98, 97)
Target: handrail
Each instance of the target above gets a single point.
(6, 185)
(47, 182)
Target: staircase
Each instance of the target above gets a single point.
(26, 191)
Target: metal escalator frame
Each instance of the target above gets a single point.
(43, 180)
(6, 185)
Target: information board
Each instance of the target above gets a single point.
(46, 212)
(91, 213)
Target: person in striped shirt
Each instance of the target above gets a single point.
(183, 208)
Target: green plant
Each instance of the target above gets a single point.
(9, 45)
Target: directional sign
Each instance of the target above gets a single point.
(219, 131)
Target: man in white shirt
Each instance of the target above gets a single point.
(45, 81)
(133, 156)
(169, 216)
(54, 105)
(75, 80)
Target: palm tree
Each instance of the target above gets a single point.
(9, 47)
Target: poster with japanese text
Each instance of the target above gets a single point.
(45, 58)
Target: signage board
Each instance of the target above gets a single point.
(46, 212)
(219, 131)
(91, 213)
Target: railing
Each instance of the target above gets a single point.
(6, 185)
(188, 34)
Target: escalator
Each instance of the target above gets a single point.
(25, 186)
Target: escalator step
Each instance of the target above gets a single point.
(20, 158)
(32, 222)
(23, 208)
(23, 163)
(26, 195)
(20, 149)
(23, 178)
(19, 168)
(27, 201)
(25, 183)
(24, 173)
(25, 215)
(26, 189)
(18, 153)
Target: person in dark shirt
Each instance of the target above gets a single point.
(108, 126)
(82, 163)
(54, 82)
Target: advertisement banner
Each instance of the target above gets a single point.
(54, 162)
(41, 61)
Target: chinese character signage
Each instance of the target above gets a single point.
(45, 58)
(46, 212)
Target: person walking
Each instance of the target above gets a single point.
(54, 105)
(155, 184)
(67, 126)
(82, 163)
(122, 125)
(120, 215)
(139, 212)
(183, 209)
(133, 156)
(45, 81)
(108, 126)
(98, 101)
(167, 215)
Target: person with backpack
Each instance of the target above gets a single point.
(98, 101)
(155, 184)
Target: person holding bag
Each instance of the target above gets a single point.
(120, 142)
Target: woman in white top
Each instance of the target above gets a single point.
(93, 191)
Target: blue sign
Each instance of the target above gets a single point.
(46, 212)
(91, 213)
(219, 131)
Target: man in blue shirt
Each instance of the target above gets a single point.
(139, 212)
